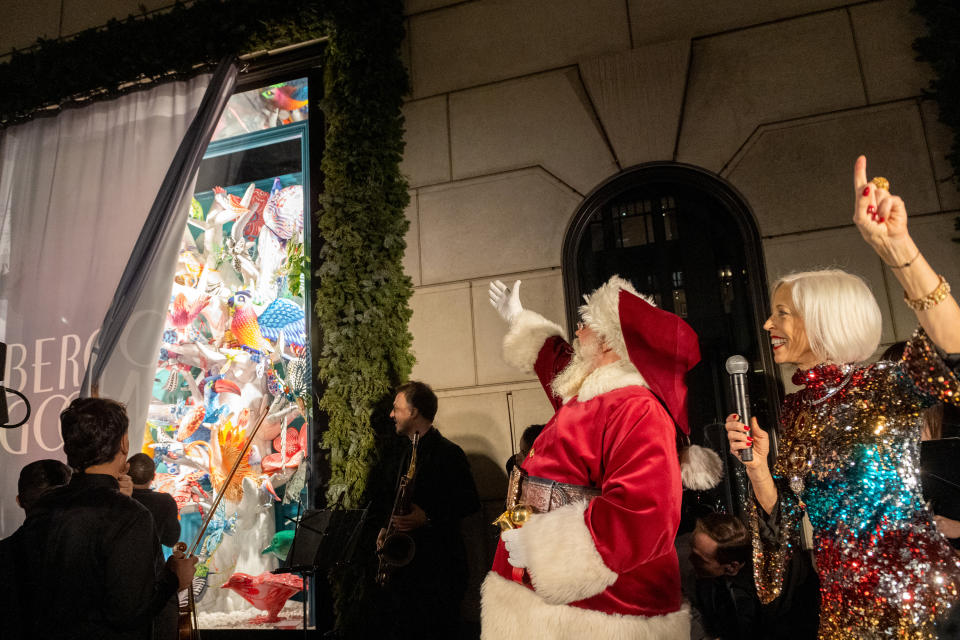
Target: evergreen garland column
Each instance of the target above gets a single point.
(362, 295)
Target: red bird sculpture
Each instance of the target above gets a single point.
(267, 592)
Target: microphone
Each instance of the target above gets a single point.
(737, 367)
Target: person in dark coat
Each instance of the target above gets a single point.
(425, 594)
(84, 561)
(37, 478)
(166, 523)
(161, 505)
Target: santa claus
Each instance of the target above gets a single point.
(597, 502)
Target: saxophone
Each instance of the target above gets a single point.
(398, 548)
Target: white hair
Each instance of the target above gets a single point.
(601, 312)
(840, 314)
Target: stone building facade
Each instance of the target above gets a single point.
(520, 108)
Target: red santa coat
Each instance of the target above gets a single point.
(606, 569)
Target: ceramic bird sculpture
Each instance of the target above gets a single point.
(285, 318)
(280, 545)
(287, 96)
(267, 592)
(244, 325)
(183, 313)
(283, 213)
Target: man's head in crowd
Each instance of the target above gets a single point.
(37, 478)
(527, 439)
(141, 470)
(721, 546)
(95, 437)
(414, 408)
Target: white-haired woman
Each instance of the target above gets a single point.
(848, 449)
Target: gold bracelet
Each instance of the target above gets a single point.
(930, 300)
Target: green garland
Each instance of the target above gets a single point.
(125, 55)
(941, 49)
(362, 295)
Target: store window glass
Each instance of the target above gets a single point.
(235, 348)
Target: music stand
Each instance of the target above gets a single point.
(324, 539)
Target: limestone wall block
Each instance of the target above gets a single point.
(426, 157)
(744, 79)
(660, 20)
(505, 223)
(885, 32)
(939, 137)
(24, 22)
(798, 176)
(443, 336)
(411, 257)
(473, 43)
(638, 96)
(543, 120)
(78, 16)
(418, 6)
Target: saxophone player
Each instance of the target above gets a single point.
(424, 595)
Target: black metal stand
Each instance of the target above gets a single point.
(324, 539)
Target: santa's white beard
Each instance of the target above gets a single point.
(584, 361)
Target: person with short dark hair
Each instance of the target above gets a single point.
(84, 562)
(425, 595)
(37, 478)
(527, 439)
(725, 595)
(166, 523)
(161, 505)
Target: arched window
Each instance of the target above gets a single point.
(685, 237)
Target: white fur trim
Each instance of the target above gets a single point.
(528, 331)
(602, 313)
(609, 377)
(700, 468)
(511, 611)
(563, 562)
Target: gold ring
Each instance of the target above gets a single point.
(881, 183)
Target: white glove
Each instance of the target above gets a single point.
(517, 550)
(505, 300)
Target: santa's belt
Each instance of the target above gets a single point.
(544, 495)
(527, 495)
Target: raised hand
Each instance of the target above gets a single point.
(506, 300)
(880, 217)
(126, 482)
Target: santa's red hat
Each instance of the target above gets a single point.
(660, 344)
(663, 348)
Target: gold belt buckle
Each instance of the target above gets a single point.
(516, 514)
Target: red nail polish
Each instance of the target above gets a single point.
(880, 219)
(871, 209)
(746, 428)
(750, 441)
(866, 190)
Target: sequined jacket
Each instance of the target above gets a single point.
(849, 457)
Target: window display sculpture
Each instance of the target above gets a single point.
(235, 334)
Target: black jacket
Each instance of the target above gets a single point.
(84, 566)
(163, 508)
